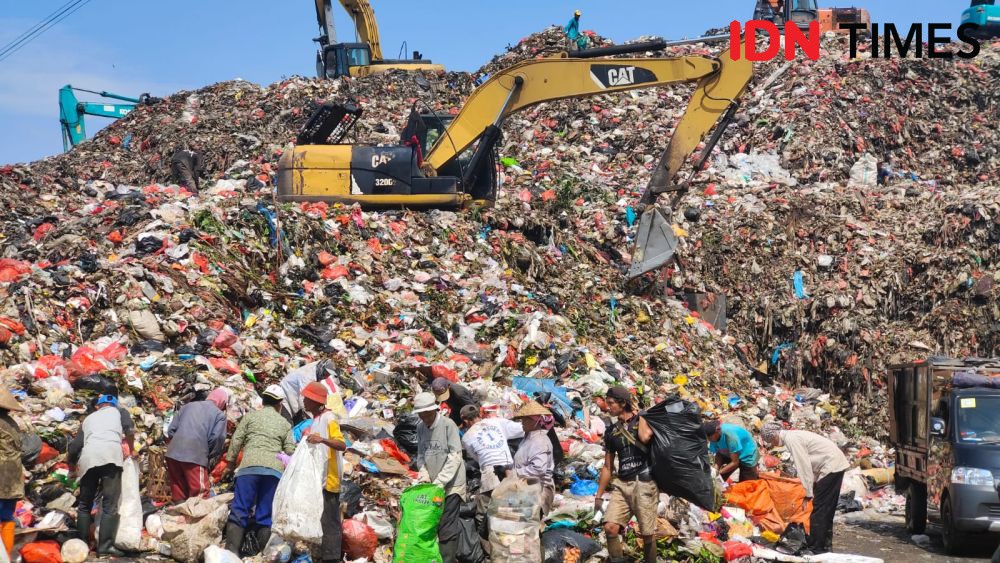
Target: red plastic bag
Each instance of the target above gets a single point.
(225, 339)
(85, 361)
(445, 372)
(224, 365)
(334, 272)
(42, 552)
(736, 550)
(13, 270)
(392, 449)
(48, 454)
(359, 540)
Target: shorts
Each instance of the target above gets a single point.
(634, 498)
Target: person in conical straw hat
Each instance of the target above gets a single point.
(11, 470)
(534, 458)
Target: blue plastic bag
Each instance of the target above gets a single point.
(583, 487)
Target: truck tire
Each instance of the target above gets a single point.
(954, 541)
(916, 508)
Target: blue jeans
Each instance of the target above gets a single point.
(7, 507)
(254, 495)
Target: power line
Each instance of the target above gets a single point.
(35, 27)
(78, 4)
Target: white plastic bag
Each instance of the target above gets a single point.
(129, 536)
(865, 171)
(298, 501)
(215, 554)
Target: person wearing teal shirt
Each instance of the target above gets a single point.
(734, 448)
(577, 40)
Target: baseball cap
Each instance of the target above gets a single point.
(107, 400)
(441, 388)
(275, 392)
(620, 394)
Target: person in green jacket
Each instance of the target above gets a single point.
(262, 435)
(577, 40)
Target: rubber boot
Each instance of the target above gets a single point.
(7, 536)
(263, 536)
(106, 537)
(83, 523)
(234, 537)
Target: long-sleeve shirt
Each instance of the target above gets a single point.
(533, 459)
(439, 451)
(572, 29)
(197, 434)
(486, 443)
(11, 470)
(102, 440)
(262, 435)
(814, 456)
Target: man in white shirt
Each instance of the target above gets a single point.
(820, 466)
(485, 441)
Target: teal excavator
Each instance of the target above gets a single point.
(72, 111)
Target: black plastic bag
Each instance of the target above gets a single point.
(350, 498)
(146, 346)
(679, 452)
(847, 503)
(97, 383)
(31, 448)
(405, 433)
(148, 245)
(555, 542)
(470, 549)
(793, 539)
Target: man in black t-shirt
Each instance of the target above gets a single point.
(633, 491)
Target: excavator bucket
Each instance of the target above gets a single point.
(655, 242)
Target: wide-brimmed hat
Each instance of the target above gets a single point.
(424, 402)
(532, 408)
(7, 401)
(315, 391)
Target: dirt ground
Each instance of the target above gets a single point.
(884, 536)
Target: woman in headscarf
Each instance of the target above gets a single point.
(197, 437)
(11, 470)
(534, 457)
(261, 435)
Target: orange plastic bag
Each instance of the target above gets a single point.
(772, 501)
(359, 539)
(392, 449)
(41, 552)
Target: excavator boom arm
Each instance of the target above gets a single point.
(361, 13)
(720, 82)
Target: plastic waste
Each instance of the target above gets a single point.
(216, 554)
(680, 452)
(296, 514)
(359, 539)
(416, 535)
(405, 433)
(277, 550)
(556, 543)
(129, 536)
(74, 551)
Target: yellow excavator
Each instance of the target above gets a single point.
(364, 57)
(461, 166)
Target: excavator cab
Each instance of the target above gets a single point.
(428, 129)
(339, 59)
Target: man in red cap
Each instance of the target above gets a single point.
(325, 430)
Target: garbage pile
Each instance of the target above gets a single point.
(114, 280)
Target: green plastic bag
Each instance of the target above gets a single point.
(416, 535)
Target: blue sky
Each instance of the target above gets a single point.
(130, 47)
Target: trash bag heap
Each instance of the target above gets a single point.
(839, 242)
